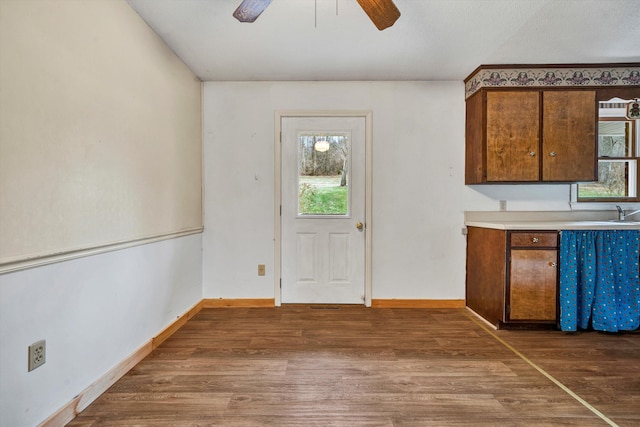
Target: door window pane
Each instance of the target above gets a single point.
(323, 173)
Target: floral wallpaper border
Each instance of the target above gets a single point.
(552, 77)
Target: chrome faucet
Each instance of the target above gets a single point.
(622, 215)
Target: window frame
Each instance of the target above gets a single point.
(634, 156)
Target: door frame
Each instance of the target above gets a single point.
(279, 115)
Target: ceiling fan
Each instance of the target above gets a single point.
(383, 13)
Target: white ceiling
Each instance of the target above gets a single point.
(432, 40)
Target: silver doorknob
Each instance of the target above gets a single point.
(360, 226)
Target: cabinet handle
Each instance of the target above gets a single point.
(532, 153)
(535, 240)
(553, 264)
(552, 154)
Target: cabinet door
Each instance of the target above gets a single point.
(513, 136)
(533, 284)
(569, 136)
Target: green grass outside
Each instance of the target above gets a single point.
(593, 191)
(322, 195)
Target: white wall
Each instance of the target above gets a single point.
(100, 140)
(93, 312)
(419, 196)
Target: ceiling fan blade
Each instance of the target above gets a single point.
(383, 13)
(249, 10)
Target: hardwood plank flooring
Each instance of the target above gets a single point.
(354, 366)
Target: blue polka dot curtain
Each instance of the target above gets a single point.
(599, 282)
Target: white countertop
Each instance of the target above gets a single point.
(555, 225)
(550, 220)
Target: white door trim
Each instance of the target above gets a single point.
(368, 115)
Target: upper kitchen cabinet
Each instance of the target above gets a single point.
(527, 124)
(532, 136)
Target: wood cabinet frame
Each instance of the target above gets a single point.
(489, 284)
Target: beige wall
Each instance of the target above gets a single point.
(100, 129)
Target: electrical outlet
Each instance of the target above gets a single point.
(503, 205)
(261, 269)
(37, 354)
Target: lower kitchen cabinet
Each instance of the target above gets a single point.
(512, 276)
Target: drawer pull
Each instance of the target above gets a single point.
(535, 240)
(553, 264)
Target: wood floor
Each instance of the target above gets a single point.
(356, 366)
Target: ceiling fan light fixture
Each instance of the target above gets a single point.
(249, 10)
(383, 13)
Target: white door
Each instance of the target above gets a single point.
(323, 210)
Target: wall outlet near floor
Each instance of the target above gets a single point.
(37, 354)
(503, 205)
(261, 269)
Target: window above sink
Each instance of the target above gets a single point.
(618, 155)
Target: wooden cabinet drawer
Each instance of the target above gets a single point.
(534, 239)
